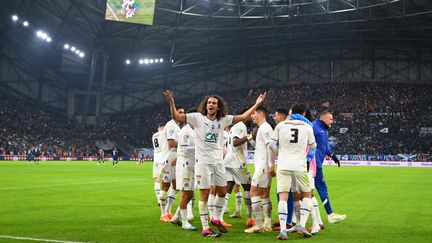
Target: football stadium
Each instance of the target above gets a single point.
(215, 120)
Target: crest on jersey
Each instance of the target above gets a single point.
(171, 132)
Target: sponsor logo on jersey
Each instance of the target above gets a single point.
(211, 137)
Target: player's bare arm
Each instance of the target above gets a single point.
(172, 143)
(261, 98)
(239, 141)
(175, 115)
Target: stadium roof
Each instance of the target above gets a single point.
(211, 34)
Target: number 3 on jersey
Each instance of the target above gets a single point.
(294, 135)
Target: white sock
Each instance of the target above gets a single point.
(239, 197)
(190, 207)
(183, 215)
(224, 208)
(163, 195)
(157, 190)
(248, 204)
(313, 216)
(177, 214)
(297, 211)
(267, 208)
(210, 205)
(218, 206)
(170, 201)
(305, 208)
(282, 212)
(316, 210)
(257, 208)
(203, 214)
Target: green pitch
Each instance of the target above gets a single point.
(81, 201)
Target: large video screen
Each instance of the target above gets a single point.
(131, 11)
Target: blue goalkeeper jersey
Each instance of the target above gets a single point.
(321, 137)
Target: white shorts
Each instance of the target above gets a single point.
(207, 175)
(168, 173)
(261, 179)
(311, 180)
(178, 174)
(298, 181)
(185, 179)
(240, 176)
(157, 168)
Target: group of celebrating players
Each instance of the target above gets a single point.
(209, 153)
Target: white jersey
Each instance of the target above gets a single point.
(236, 156)
(186, 145)
(170, 131)
(209, 137)
(263, 137)
(157, 147)
(293, 136)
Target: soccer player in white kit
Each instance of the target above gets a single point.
(185, 172)
(235, 164)
(157, 160)
(209, 123)
(293, 137)
(212, 195)
(261, 180)
(169, 157)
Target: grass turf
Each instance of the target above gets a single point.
(81, 201)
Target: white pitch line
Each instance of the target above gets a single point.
(36, 239)
(65, 184)
(112, 12)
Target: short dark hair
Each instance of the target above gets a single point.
(178, 107)
(160, 124)
(282, 111)
(262, 109)
(193, 110)
(325, 112)
(299, 108)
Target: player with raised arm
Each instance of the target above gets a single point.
(169, 158)
(209, 123)
(185, 172)
(264, 171)
(293, 137)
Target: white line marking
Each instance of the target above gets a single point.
(112, 12)
(36, 239)
(66, 184)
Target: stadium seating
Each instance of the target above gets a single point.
(371, 118)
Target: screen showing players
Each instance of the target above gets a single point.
(131, 11)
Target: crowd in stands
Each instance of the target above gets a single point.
(25, 126)
(371, 118)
